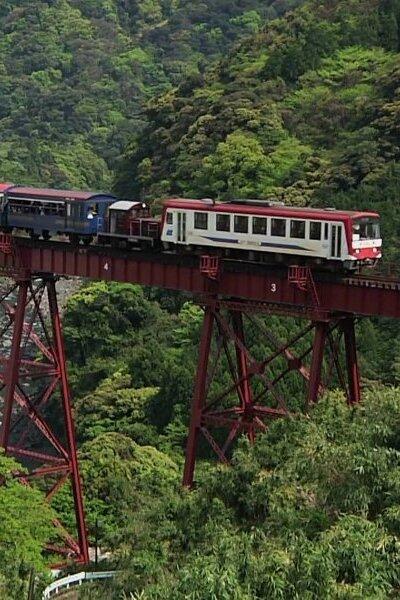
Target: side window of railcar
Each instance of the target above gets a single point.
(223, 222)
(259, 226)
(298, 229)
(200, 220)
(315, 230)
(326, 231)
(170, 218)
(278, 227)
(241, 224)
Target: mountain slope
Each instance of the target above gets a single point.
(75, 74)
(306, 110)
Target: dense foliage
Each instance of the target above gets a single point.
(25, 527)
(132, 362)
(310, 511)
(305, 110)
(74, 75)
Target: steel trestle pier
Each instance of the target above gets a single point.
(235, 296)
(37, 424)
(254, 381)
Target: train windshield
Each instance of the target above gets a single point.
(367, 228)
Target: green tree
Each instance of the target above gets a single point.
(74, 77)
(25, 527)
(120, 476)
(115, 406)
(311, 510)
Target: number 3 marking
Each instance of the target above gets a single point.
(273, 288)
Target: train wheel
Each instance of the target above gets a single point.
(33, 235)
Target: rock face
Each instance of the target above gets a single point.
(66, 286)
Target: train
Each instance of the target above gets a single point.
(242, 229)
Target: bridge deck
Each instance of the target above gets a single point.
(356, 295)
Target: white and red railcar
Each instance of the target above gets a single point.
(258, 230)
(252, 230)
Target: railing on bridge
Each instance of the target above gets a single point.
(66, 583)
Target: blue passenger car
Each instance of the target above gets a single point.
(46, 212)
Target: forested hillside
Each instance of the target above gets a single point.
(305, 110)
(75, 75)
(216, 98)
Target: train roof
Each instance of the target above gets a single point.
(5, 186)
(267, 209)
(50, 194)
(124, 205)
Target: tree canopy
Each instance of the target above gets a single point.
(309, 511)
(25, 528)
(285, 99)
(303, 110)
(76, 74)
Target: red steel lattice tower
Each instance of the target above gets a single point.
(36, 415)
(314, 352)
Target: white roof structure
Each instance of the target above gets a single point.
(124, 205)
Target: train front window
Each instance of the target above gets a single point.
(170, 218)
(367, 229)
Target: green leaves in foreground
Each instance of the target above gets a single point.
(25, 526)
(311, 511)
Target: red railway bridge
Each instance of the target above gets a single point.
(33, 370)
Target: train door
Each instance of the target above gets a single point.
(113, 221)
(181, 238)
(76, 214)
(72, 215)
(336, 241)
